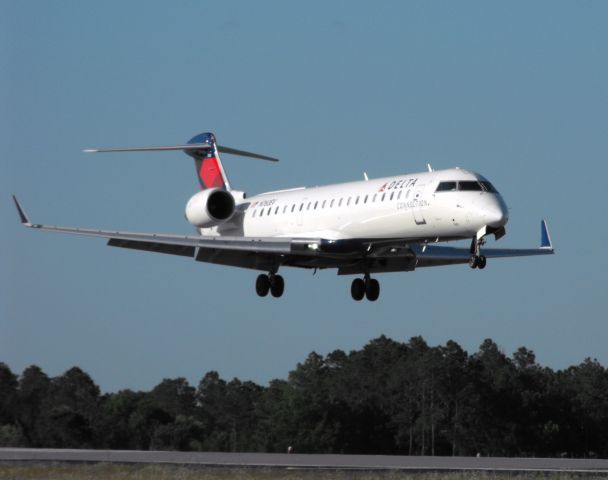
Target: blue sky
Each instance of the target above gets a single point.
(514, 90)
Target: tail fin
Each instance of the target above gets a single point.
(209, 168)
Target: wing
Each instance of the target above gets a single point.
(434, 255)
(404, 256)
(266, 253)
(249, 252)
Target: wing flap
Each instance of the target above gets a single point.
(184, 251)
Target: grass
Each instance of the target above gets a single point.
(105, 471)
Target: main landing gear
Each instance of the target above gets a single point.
(272, 283)
(365, 287)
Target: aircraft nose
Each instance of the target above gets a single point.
(496, 214)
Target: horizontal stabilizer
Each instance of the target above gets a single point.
(191, 147)
(243, 153)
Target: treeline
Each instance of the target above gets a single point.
(387, 398)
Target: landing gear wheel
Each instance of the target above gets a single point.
(474, 262)
(478, 262)
(357, 289)
(277, 285)
(262, 285)
(372, 289)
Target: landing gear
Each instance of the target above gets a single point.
(365, 287)
(272, 283)
(372, 289)
(477, 262)
(277, 285)
(262, 285)
(357, 289)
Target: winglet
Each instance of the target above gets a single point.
(545, 238)
(22, 215)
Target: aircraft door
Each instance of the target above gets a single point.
(418, 205)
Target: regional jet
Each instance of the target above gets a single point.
(362, 228)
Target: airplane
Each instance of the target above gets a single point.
(392, 224)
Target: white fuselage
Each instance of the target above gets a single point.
(404, 206)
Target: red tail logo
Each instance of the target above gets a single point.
(209, 173)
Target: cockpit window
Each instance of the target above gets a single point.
(470, 186)
(446, 187)
(488, 187)
(466, 186)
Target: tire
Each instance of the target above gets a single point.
(481, 262)
(473, 262)
(372, 289)
(262, 285)
(357, 289)
(277, 285)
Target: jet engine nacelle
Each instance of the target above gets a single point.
(211, 207)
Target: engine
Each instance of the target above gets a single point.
(209, 208)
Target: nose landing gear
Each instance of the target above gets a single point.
(365, 287)
(477, 260)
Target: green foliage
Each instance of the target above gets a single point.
(101, 471)
(387, 398)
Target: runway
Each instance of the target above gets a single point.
(310, 461)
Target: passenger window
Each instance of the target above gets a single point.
(340, 203)
(269, 210)
(383, 195)
(348, 201)
(357, 200)
(316, 203)
(301, 206)
(323, 204)
(399, 196)
(253, 214)
(284, 209)
(331, 205)
(293, 207)
(446, 187)
(392, 195)
(308, 206)
(276, 210)
(374, 199)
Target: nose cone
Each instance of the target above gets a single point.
(495, 213)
